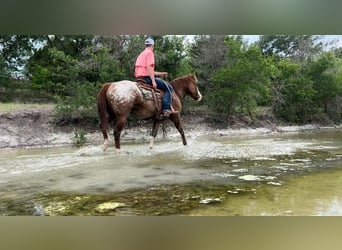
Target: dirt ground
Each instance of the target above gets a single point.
(29, 128)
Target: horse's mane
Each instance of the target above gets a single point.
(183, 78)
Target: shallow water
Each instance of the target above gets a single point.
(216, 174)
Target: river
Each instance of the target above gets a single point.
(217, 173)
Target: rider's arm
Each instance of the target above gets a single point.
(151, 73)
(157, 73)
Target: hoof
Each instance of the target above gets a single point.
(105, 145)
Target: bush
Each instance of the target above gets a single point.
(80, 138)
(79, 106)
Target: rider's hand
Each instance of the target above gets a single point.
(154, 84)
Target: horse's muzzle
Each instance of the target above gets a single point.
(198, 96)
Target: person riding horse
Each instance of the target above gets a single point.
(117, 100)
(144, 69)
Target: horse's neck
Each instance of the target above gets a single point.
(179, 88)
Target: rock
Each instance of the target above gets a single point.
(107, 206)
(210, 200)
(232, 192)
(274, 183)
(38, 210)
(249, 177)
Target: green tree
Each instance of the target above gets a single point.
(243, 83)
(71, 45)
(5, 81)
(4, 73)
(207, 55)
(292, 92)
(169, 53)
(52, 70)
(326, 75)
(16, 49)
(123, 50)
(297, 47)
(100, 66)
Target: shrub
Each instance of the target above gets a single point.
(79, 106)
(80, 138)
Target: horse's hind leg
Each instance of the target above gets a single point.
(104, 126)
(119, 125)
(178, 123)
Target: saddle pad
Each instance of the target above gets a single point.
(146, 91)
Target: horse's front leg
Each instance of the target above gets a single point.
(156, 124)
(176, 118)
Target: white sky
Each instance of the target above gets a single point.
(336, 39)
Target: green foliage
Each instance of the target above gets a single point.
(80, 138)
(51, 69)
(80, 106)
(304, 93)
(297, 47)
(4, 73)
(169, 54)
(292, 93)
(326, 74)
(207, 55)
(241, 85)
(16, 49)
(100, 66)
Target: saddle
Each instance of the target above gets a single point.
(150, 93)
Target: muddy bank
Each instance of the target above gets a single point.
(30, 128)
(34, 128)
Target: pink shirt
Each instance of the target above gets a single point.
(144, 59)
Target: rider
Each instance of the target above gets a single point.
(144, 68)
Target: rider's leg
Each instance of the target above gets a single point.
(166, 102)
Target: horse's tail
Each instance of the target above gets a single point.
(102, 109)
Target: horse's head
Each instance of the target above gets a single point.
(187, 85)
(193, 90)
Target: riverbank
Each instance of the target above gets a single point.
(32, 126)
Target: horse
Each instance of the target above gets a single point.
(117, 100)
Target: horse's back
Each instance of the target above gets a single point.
(123, 90)
(123, 94)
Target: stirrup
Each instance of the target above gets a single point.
(167, 113)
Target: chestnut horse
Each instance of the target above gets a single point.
(115, 101)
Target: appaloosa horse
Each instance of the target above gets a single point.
(115, 101)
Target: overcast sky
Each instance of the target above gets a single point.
(337, 39)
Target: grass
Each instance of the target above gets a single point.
(10, 107)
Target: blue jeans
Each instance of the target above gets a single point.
(167, 88)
